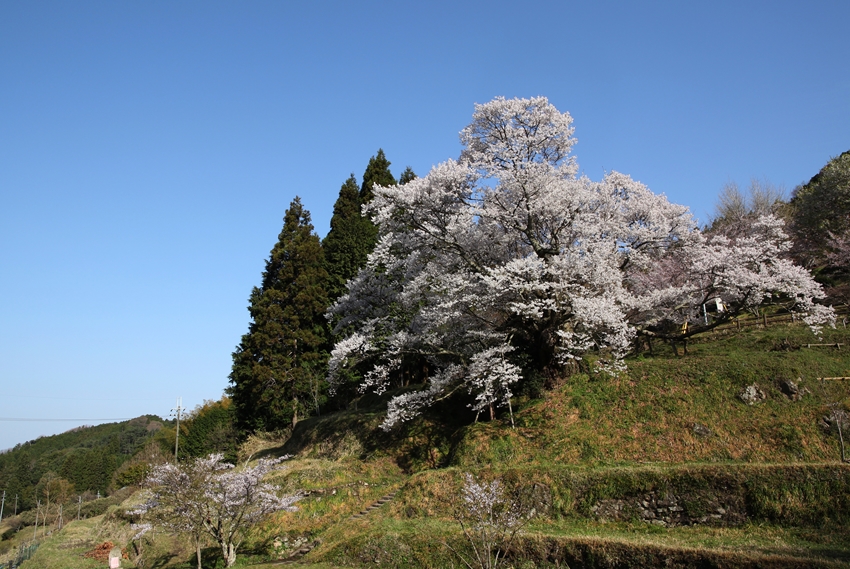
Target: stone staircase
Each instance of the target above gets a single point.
(374, 506)
(307, 548)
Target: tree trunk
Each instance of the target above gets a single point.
(198, 550)
(839, 418)
(228, 551)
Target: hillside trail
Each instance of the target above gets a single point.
(307, 548)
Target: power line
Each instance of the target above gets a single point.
(87, 398)
(51, 420)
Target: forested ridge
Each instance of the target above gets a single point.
(86, 457)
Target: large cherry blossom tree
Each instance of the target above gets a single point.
(508, 255)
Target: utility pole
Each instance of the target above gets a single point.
(3, 503)
(79, 505)
(35, 529)
(16, 504)
(178, 410)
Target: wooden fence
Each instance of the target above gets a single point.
(763, 321)
(24, 553)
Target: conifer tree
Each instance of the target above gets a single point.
(208, 429)
(352, 236)
(278, 364)
(347, 244)
(407, 176)
(377, 172)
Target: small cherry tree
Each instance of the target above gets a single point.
(209, 497)
(489, 521)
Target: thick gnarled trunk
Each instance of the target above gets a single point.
(228, 552)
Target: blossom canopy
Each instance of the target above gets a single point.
(508, 256)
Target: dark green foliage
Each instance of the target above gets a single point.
(352, 236)
(407, 176)
(209, 429)
(349, 241)
(278, 367)
(377, 172)
(90, 469)
(822, 207)
(133, 475)
(86, 457)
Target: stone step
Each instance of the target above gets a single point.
(298, 554)
(374, 506)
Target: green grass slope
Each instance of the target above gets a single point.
(682, 409)
(751, 485)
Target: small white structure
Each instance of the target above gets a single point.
(115, 558)
(713, 305)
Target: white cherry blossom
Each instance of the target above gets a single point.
(508, 253)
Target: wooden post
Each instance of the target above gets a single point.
(764, 319)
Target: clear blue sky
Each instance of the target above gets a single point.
(148, 150)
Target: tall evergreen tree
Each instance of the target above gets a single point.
(353, 236)
(209, 428)
(277, 367)
(347, 244)
(377, 172)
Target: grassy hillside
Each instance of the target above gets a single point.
(682, 409)
(663, 409)
(753, 485)
(662, 466)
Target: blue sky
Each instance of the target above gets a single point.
(148, 150)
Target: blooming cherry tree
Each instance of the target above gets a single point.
(746, 271)
(489, 520)
(210, 497)
(508, 251)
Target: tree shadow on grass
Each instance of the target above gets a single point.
(162, 560)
